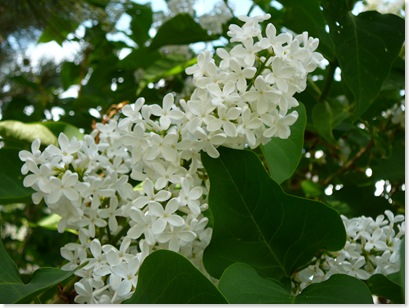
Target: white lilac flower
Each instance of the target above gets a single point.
(150, 195)
(241, 101)
(112, 212)
(127, 274)
(66, 149)
(64, 186)
(40, 177)
(372, 247)
(35, 156)
(165, 216)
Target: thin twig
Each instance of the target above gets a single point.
(349, 164)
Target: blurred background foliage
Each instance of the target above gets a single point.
(353, 157)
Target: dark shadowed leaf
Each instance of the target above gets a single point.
(361, 201)
(166, 277)
(306, 15)
(141, 22)
(12, 189)
(326, 116)
(255, 222)
(383, 286)
(241, 284)
(366, 46)
(12, 288)
(70, 74)
(180, 30)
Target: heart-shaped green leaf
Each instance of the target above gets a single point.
(166, 277)
(366, 47)
(256, 223)
(241, 284)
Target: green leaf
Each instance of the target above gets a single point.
(12, 189)
(326, 116)
(139, 58)
(98, 3)
(142, 18)
(61, 127)
(366, 46)
(283, 155)
(9, 271)
(58, 27)
(12, 288)
(338, 289)
(306, 15)
(166, 66)
(26, 132)
(391, 168)
(70, 74)
(382, 286)
(180, 30)
(241, 284)
(166, 277)
(360, 201)
(255, 222)
(311, 189)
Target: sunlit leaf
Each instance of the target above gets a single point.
(26, 132)
(61, 127)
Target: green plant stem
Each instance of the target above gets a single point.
(226, 2)
(259, 70)
(252, 7)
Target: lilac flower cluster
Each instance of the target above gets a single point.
(241, 99)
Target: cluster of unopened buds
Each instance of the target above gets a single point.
(372, 247)
(136, 184)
